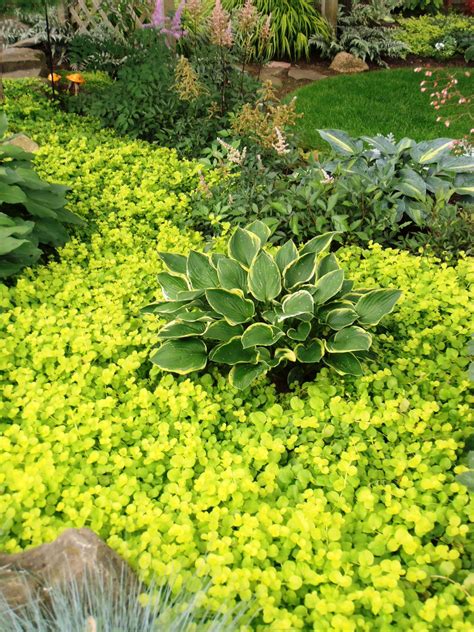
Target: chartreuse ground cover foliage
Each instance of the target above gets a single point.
(335, 507)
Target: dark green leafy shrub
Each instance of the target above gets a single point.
(363, 34)
(32, 213)
(256, 312)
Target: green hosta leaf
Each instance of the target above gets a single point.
(460, 164)
(181, 356)
(242, 375)
(10, 244)
(11, 194)
(327, 264)
(175, 263)
(221, 330)
(286, 254)
(264, 278)
(344, 363)
(233, 352)
(297, 305)
(374, 305)
(165, 307)
(178, 329)
(231, 304)
(431, 151)
(341, 142)
(261, 335)
(231, 274)
(190, 295)
(411, 184)
(318, 244)
(201, 273)
(301, 332)
(349, 339)
(300, 271)
(327, 286)
(260, 229)
(244, 246)
(283, 353)
(197, 315)
(311, 352)
(341, 317)
(172, 285)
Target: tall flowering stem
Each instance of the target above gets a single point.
(447, 99)
(222, 37)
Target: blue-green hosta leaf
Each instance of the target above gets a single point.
(341, 142)
(381, 143)
(349, 339)
(231, 304)
(201, 273)
(300, 271)
(260, 229)
(231, 274)
(10, 244)
(177, 329)
(301, 332)
(374, 305)
(328, 286)
(460, 164)
(243, 246)
(175, 263)
(172, 285)
(318, 244)
(233, 352)
(327, 264)
(341, 317)
(311, 352)
(430, 151)
(298, 305)
(286, 254)
(181, 356)
(242, 375)
(261, 335)
(221, 330)
(411, 184)
(264, 278)
(404, 144)
(344, 363)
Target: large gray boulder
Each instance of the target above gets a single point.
(76, 557)
(29, 61)
(347, 63)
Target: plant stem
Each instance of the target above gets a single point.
(50, 50)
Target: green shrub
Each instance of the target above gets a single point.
(335, 506)
(397, 193)
(362, 33)
(293, 22)
(32, 211)
(256, 312)
(441, 36)
(422, 6)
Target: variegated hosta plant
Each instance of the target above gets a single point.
(255, 311)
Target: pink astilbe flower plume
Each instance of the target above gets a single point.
(221, 28)
(247, 17)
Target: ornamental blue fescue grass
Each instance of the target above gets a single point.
(111, 604)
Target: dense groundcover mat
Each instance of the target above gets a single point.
(333, 507)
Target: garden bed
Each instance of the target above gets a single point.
(333, 507)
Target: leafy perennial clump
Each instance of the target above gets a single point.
(256, 312)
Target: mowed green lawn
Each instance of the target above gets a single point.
(373, 103)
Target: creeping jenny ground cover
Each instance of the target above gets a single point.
(335, 506)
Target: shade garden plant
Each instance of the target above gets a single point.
(256, 312)
(335, 506)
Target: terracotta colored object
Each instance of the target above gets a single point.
(76, 80)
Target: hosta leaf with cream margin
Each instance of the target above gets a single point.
(260, 310)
